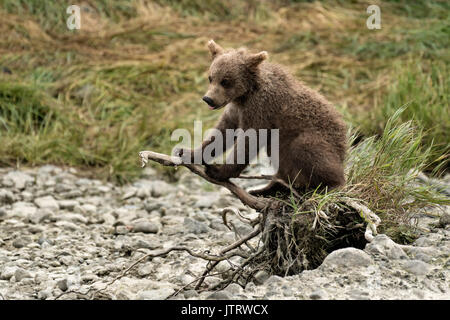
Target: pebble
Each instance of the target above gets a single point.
(194, 226)
(62, 284)
(47, 202)
(417, 267)
(20, 274)
(347, 258)
(156, 294)
(20, 242)
(218, 295)
(261, 277)
(59, 232)
(144, 226)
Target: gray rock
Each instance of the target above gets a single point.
(62, 284)
(17, 179)
(383, 245)
(20, 242)
(145, 226)
(444, 220)
(20, 274)
(150, 205)
(6, 196)
(68, 204)
(318, 294)
(45, 294)
(121, 230)
(261, 276)
(218, 295)
(67, 225)
(88, 278)
(274, 279)
(71, 194)
(7, 273)
(194, 226)
(129, 193)
(154, 188)
(148, 172)
(143, 244)
(191, 294)
(73, 217)
(358, 294)
(88, 208)
(47, 202)
(234, 289)
(145, 269)
(156, 294)
(39, 216)
(417, 267)
(207, 200)
(347, 258)
(23, 209)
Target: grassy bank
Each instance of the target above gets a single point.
(137, 70)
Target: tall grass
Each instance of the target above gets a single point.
(137, 70)
(382, 173)
(424, 93)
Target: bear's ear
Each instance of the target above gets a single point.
(214, 48)
(254, 60)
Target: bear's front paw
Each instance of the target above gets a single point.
(185, 154)
(217, 173)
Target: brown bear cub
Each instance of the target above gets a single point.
(257, 95)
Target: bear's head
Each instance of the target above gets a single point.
(231, 75)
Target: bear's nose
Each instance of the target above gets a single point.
(209, 101)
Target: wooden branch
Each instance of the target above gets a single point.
(246, 198)
(261, 177)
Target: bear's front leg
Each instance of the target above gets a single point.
(224, 172)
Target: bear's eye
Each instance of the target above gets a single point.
(210, 79)
(225, 83)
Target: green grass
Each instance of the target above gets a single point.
(423, 90)
(381, 173)
(136, 71)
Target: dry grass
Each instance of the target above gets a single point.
(136, 69)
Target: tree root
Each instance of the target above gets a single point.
(287, 238)
(290, 239)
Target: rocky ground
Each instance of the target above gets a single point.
(62, 235)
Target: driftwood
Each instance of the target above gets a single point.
(285, 239)
(288, 242)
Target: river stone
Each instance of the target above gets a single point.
(156, 294)
(47, 202)
(382, 244)
(194, 226)
(20, 274)
(261, 276)
(444, 220)
(144, 226)
(417, 267)
(347, 258)
(23, 209)
(68, 204)
(18, 179)
(218, 295)
(6, 196)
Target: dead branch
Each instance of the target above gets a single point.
(291, 242)
(246, 198)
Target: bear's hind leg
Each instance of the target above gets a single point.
(310, 162)
(270, 190)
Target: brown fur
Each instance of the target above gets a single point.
(262, 95)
